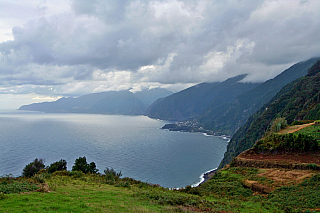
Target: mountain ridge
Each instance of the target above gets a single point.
(229, 120)
(190, 103)
(112, 102)
(298, 100)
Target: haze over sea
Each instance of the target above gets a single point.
(133, 144)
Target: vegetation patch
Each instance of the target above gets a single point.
(281, 177)
(301, 122)
(313, 131)
(17, 187)
(297, 198)
(288, 143)
(232, 189)
(9, 185)
(33, 167)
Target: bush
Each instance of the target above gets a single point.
(278, 124)
(81, 164)
(300, 122)
(313, 166)
(17, 187)
(76, 174)
(287, 143)
(2, 196)
(62, 173)
(123, 184)
(298, 197)
(40, 178)
(57, 166)
(112, 173)
(191, 190)
(33, 167)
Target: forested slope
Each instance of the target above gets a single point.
(190, 103)
(299, 100)
(231, 117)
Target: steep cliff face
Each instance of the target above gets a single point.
(232, 116)
(191, 102)
(299, 100)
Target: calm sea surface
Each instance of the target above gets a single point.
(133, 144)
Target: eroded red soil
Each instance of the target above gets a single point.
(292, 158)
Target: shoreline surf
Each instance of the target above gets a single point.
(205, 176)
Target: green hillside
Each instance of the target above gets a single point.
(229, 119)
(65, 191)
(299, 100)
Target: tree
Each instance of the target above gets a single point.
(81, 164)
(57, 166)
(33, 167)
(92, 168)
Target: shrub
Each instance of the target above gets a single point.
(278, 124)
(191, 190)
(40, 178)
(124, 184)
(76, 174)
(2, 196)
(298, 197)
(33, 167)
(42, 171)
(17, 187)
(143, 185)
(287, 143)
(62, 173)
(112, 173)
(313, 166)
(57, 166)
(300, 122)
(81, 164)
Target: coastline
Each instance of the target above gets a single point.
(205, 176)
(181, 127)
(186, 127)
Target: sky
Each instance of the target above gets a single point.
(55, 48)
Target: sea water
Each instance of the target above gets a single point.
(136, 145)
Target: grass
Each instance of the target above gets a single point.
(225, 192)
(84, 194)
(299, 197)
(310, 128)
(313, 131)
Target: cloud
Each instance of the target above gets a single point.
(89, 46)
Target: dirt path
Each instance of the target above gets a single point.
(292, 129)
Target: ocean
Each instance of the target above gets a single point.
(136, 145)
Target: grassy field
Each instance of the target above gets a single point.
(225, 192)
(83, 194)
